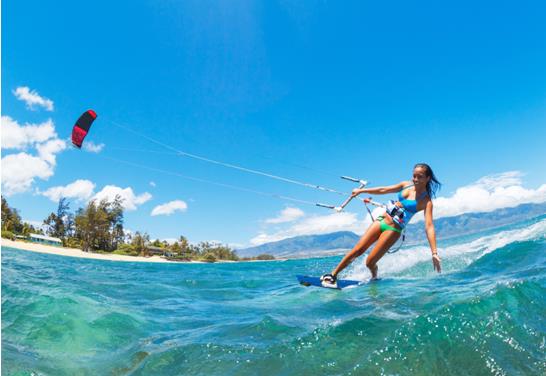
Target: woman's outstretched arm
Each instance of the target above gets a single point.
(431, 236)
(381, 190)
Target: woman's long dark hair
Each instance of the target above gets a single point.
(433, 184)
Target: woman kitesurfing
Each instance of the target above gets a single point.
(413, 196)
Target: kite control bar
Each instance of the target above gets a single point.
(362, 184)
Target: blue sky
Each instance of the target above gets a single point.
(352, 88)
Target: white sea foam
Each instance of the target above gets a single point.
(469, 252)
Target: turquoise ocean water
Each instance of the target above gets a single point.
(484, 315)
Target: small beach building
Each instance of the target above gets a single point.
(156, 250)
(42, 239)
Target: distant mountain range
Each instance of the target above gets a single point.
(341, 241)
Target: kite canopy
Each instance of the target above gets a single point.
(81, 128)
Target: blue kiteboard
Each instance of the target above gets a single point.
(315, 281)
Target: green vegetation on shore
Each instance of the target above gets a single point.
(98, 228)
(12, 224)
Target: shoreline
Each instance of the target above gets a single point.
(75, 252)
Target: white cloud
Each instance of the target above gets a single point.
(91, 147)
(236, 245)
(48, 150)
(36, 224)
(19, 171)
(319, 224)
(287, 215)
(152, 183)
(324, 224)
(171, 241)
(32, 98)
(16, 136)
(33, 223)
(130, 200)
(169, 208)
(487, 194)
(79, 190)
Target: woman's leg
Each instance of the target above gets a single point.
(360, 247)
(385, 241)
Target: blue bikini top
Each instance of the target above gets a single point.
(410, 205)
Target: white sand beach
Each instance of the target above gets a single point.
(73, 252)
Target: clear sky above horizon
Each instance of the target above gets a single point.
(304, 91)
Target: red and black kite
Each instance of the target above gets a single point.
(81, 128)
